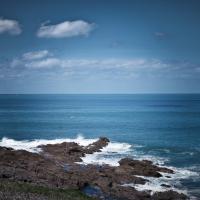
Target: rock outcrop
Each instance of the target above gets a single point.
(143, 168)
(56, 166)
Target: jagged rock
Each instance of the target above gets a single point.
(142, 168)
(96, 146)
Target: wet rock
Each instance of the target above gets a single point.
(70, 152)
(165, 185)
(93, 191)
(97, 146)
(142, 168)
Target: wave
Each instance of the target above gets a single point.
(111, 154)
(155, 185)
(32, 145)
(174, 181)
(171, 180)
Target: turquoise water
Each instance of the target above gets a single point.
(165, 127)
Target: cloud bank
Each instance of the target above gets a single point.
(42, 63)
(10, 26)
(65, 29)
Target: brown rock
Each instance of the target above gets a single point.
(142, 168)
(55, 166)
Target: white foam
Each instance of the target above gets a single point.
(99, 159)
(110, 155)
(155, 159)
(148, 186)
(173, 180)
(181, 173)
(116, 147)
(31, 145)
(154, 185)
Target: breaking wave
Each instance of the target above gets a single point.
(32, 145)
(111, 154)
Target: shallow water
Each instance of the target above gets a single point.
(162, 128)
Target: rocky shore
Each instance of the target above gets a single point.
(56, 166)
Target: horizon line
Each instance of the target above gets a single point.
(142, 93)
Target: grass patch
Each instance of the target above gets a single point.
(10, 188)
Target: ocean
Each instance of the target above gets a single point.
(164, 128)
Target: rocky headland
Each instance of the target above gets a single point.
(58, 166)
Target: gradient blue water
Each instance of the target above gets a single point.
(166, 125)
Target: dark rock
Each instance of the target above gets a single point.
(129, 193)
(165, 185)
(97, 146)
(63, 153)
(143, 168)
(169, 195)
(71, 152)
(93, 191)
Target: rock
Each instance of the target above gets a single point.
(93, 191)
(70, 152)
(142, 168)
(169, 195)
(129, 193)
(55, 166)
(63, 153)
(165, 185)
(96, 146)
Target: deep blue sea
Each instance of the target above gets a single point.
(162, 127)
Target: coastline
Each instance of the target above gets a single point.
(59, 165)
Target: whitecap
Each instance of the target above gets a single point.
(181, 173)
(32, 145)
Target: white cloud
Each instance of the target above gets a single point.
(45, 63)
(41, 59)
(35, 55)
(10, 26)
(65, 29)
(88, 64)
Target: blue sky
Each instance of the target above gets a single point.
(96, 46)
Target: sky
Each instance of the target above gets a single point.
(99, 46)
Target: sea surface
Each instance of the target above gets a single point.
(164, 128)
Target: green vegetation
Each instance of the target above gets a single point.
(18, 190)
